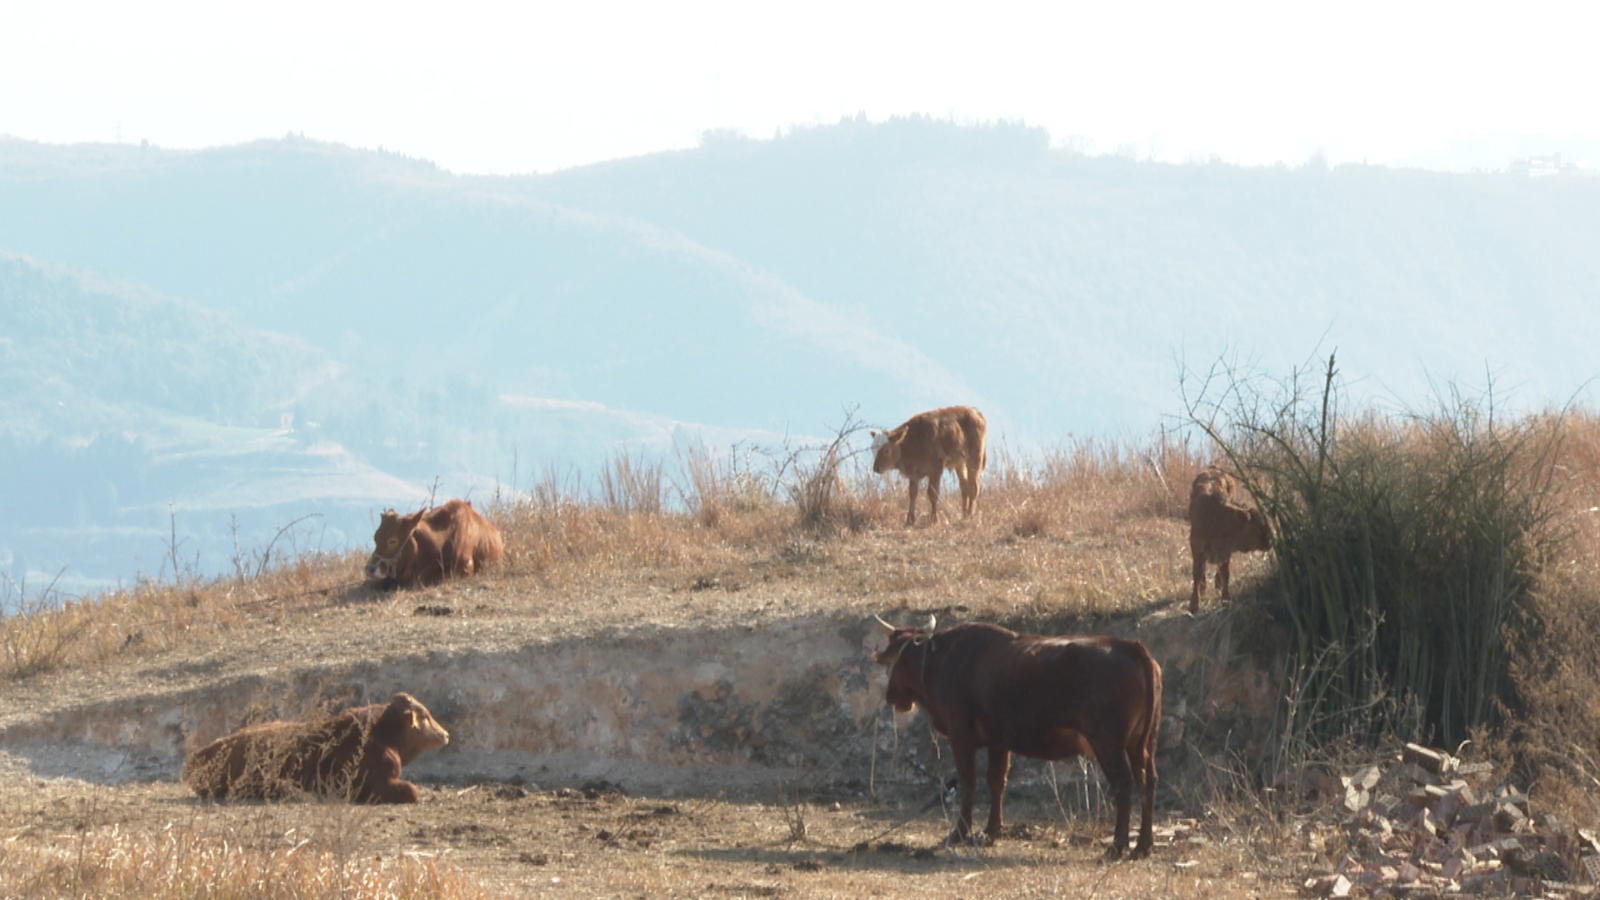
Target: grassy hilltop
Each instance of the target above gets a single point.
(1090, 538)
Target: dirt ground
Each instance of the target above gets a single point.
(598, 841)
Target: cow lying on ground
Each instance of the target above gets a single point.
(1219, 528)
(430, 545)
(1045, 697)
(928, 443)
(356, 755)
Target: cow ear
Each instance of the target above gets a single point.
(411, 720)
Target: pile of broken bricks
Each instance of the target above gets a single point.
(1433, 825)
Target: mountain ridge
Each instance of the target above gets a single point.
(750, 289)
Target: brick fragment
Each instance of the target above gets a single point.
(1384, 804)
(1510, 794)
(1355, 798)
(1591, 865)
(1367, 778)
(1411, 773)
(1431, 760)
(1507, 817)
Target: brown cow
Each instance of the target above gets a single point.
(431, 545)
(1219, 528)
(928, 443)
(356, 755)
(1045, 697)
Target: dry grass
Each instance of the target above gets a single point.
(1553, 719)
(181, 864)
(51, 633)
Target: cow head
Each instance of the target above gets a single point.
(419, 730)
(885, 452)
(394, 531)
(904, 684)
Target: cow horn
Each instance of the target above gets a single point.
(933, 621)
(887, 628)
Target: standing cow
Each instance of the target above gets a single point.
(928, 443)
(1045, 697)
(1219, 528)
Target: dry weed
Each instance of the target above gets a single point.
(178, 863)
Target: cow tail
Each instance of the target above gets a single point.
(1153, 717)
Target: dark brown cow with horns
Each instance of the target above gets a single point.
(1045, 697)
(955, 438)
(430, 545)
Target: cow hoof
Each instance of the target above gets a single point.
(1140, 852)
(956, 839)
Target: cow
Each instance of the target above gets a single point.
(430, 545)
(356, 756)
(1219, 528)
(928, 443)
(1045, 697)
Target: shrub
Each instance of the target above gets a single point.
(1403, 542)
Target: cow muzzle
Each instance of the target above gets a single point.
(382, 568)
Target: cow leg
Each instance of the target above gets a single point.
(966, 756)
(1120, 775)
(380, 781)
(1147, 805)
(963, 478)
(1222, 578)
(933, 495)
(1199, 580)
(395, 791)
(999, 768)
(911, 511)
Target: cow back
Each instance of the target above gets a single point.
(955, 437)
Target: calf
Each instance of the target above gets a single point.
(430, 545)
(928, 443)
(1044, 697)
(1219, 528)
(356, 755)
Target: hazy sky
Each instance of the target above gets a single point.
(517, 87)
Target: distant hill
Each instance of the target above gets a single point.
(432, 325)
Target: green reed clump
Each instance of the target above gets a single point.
(1403, 543)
